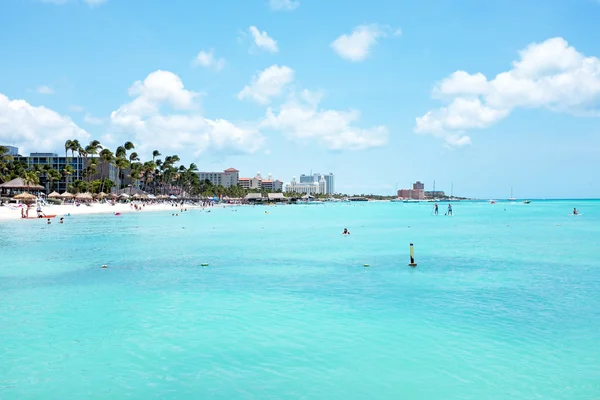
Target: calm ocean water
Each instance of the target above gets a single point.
(504, 304)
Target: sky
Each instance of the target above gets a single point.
(478, 96)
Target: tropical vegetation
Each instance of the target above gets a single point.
(158, 175)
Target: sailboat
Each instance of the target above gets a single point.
(511, 198)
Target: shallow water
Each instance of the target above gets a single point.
(504, 303)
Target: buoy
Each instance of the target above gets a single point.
(366, 265)
(204, 265)
(412, 256)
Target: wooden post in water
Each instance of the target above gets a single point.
(412, 256)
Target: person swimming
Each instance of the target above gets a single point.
(346, 231)
(575, 212)
(49, 221)
(62, 220)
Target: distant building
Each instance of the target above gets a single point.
(435, 194)
(54, 161)
(319, 187)
(258, 183)
(411, 194)
(329, 179)
(13, 151)
(227, 178)
(418, 185)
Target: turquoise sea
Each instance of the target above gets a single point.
(504, 303)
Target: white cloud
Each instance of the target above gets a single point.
(551, 75)
(300, 118)
(44, 89)
(91, 3)
(269, 83)
(76, 108)
(284, 5)
(34, 128)
(262, 40)
(94, 3)
(207, 59)
(90, 119)
(184, 130)
(357, 45)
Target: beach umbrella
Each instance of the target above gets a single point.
(111, 196)
(67, 195)
(124, 195)
(151, 196)
(83, 196)
(25, 196)
(54, 195)
(101, 195)
(172, 197)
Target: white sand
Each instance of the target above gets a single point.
(12, 212)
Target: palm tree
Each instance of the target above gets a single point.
(155, 153)
(68, 145)
(107, 158)
(67, 172)
(31, 178)
(53, 175)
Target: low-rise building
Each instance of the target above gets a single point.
(226, 178)
(319, 187)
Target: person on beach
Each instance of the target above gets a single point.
(22, 212)
(449, 209)
(346, 231)
(435, 209)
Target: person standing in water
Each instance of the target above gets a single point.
(449, 209)
(435, 209)
(575, 212)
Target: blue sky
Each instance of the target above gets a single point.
(366, 90)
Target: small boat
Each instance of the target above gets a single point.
(396, 200)
(526, 201)
(492, 201)
(42, 217)
(511, 198)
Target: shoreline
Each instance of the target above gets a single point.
(14, 213)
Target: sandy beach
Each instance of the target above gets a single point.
(14, 212)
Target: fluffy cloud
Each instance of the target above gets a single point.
(90, 119)
(551, 75)
(357, 45)
(267, 84)
(182, 130)
(91, 3)
(284, 5)
(262, 40)
(207, 59)
(34, 128)
(300, 118)
(94, 3)
(44, 89)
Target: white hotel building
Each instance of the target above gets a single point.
(315, 187)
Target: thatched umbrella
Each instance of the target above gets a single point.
(83, 196)
(136, 196)
(67, 195)
(54, 195)
(25, 196)
(111, 196)
(100, 195)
